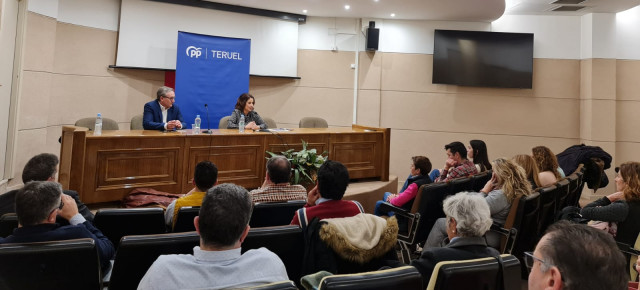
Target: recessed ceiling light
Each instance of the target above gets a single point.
(376, 0)
(393, 15)
(347, 7)
(304, 11)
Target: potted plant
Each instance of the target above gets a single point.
(304, 164)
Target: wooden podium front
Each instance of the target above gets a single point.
(107, 167)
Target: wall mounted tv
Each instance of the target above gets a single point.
(483, 59)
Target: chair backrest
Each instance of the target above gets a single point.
(223, 122)
(460, 184)
(184, 220)
(476, 274)
(137, 253)
(271, 124)
(406, 277)
(574, 196)
(562, 194)
(136, 123)
(430, 208)
(285, 241)
(479, 180)
(8, 222)
(116, 223)
(313, 122)
(107, 124)
(547, 208)
(526, 223)
(274, 213)
(69, 264)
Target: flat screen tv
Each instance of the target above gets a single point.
(483, 59)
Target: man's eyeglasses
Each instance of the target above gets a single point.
(61, 205)
(172, 98)
(529, 258)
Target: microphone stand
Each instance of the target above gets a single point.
(208, 131)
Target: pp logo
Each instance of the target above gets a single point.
(193, 51)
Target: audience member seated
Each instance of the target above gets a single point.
(276, 187)
(507, 181)
(477, 151)
(457, 164)
(162, 113)
(325, 199)
(530, 168)
(419, 175)
(42, 167)
(467, 220)
(37, 205)
(547, 163)
(621, 207)
(217, 263)
(205, 176)
(575, 256)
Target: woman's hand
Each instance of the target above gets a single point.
(490, 185)
(616, 196)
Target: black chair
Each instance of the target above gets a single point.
(547, 208)
(508, 238)
(116, 223)
(481, 274)
(274, 214)
(137, 253)
(69, 264)
(574, 195)
(8, 222)
(526, 223)
(406, 277)
(285, 241)
(562, 194)
(184, 219)
(460, 184)
(479, 180)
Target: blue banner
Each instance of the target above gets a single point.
(210, 70)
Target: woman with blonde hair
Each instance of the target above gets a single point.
(550, 171)
(530, 168)
(507, 182)
(623, 206)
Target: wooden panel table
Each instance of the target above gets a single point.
(107, 167)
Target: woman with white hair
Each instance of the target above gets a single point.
(468, 218)
(508, 181)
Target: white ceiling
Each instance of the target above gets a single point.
(449, 10)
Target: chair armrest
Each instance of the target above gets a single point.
(506, 243)
(387, 207)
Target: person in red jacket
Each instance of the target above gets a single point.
(325, 199)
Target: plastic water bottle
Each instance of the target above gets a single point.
(197, 122)
(97, 130)
(241, 124)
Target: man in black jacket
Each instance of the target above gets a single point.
(42, 167)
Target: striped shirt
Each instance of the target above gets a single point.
(279, 193)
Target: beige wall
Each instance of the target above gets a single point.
(66, 78)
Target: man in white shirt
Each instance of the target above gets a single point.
(217, 263)
(162, 114)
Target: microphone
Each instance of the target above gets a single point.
(207, 131)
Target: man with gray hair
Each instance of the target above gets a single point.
(576, 256)
(276, 187)
(468, 218)
(223, 224)
(162, 113)
(37, 205)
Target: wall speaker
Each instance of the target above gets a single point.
(373, 35)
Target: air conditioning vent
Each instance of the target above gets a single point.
(568, 8)
(568, 2)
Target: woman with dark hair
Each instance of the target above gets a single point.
(478, 152)
(547, 163)
(420, 167)
(530, 168)
(244, 107)
(623, 206)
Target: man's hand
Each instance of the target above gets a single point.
(174, 124)
(449, 163)
(69, 209)
(313, 196)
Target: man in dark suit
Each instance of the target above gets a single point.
(38, 204)
(162, 114)
(42, 167)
